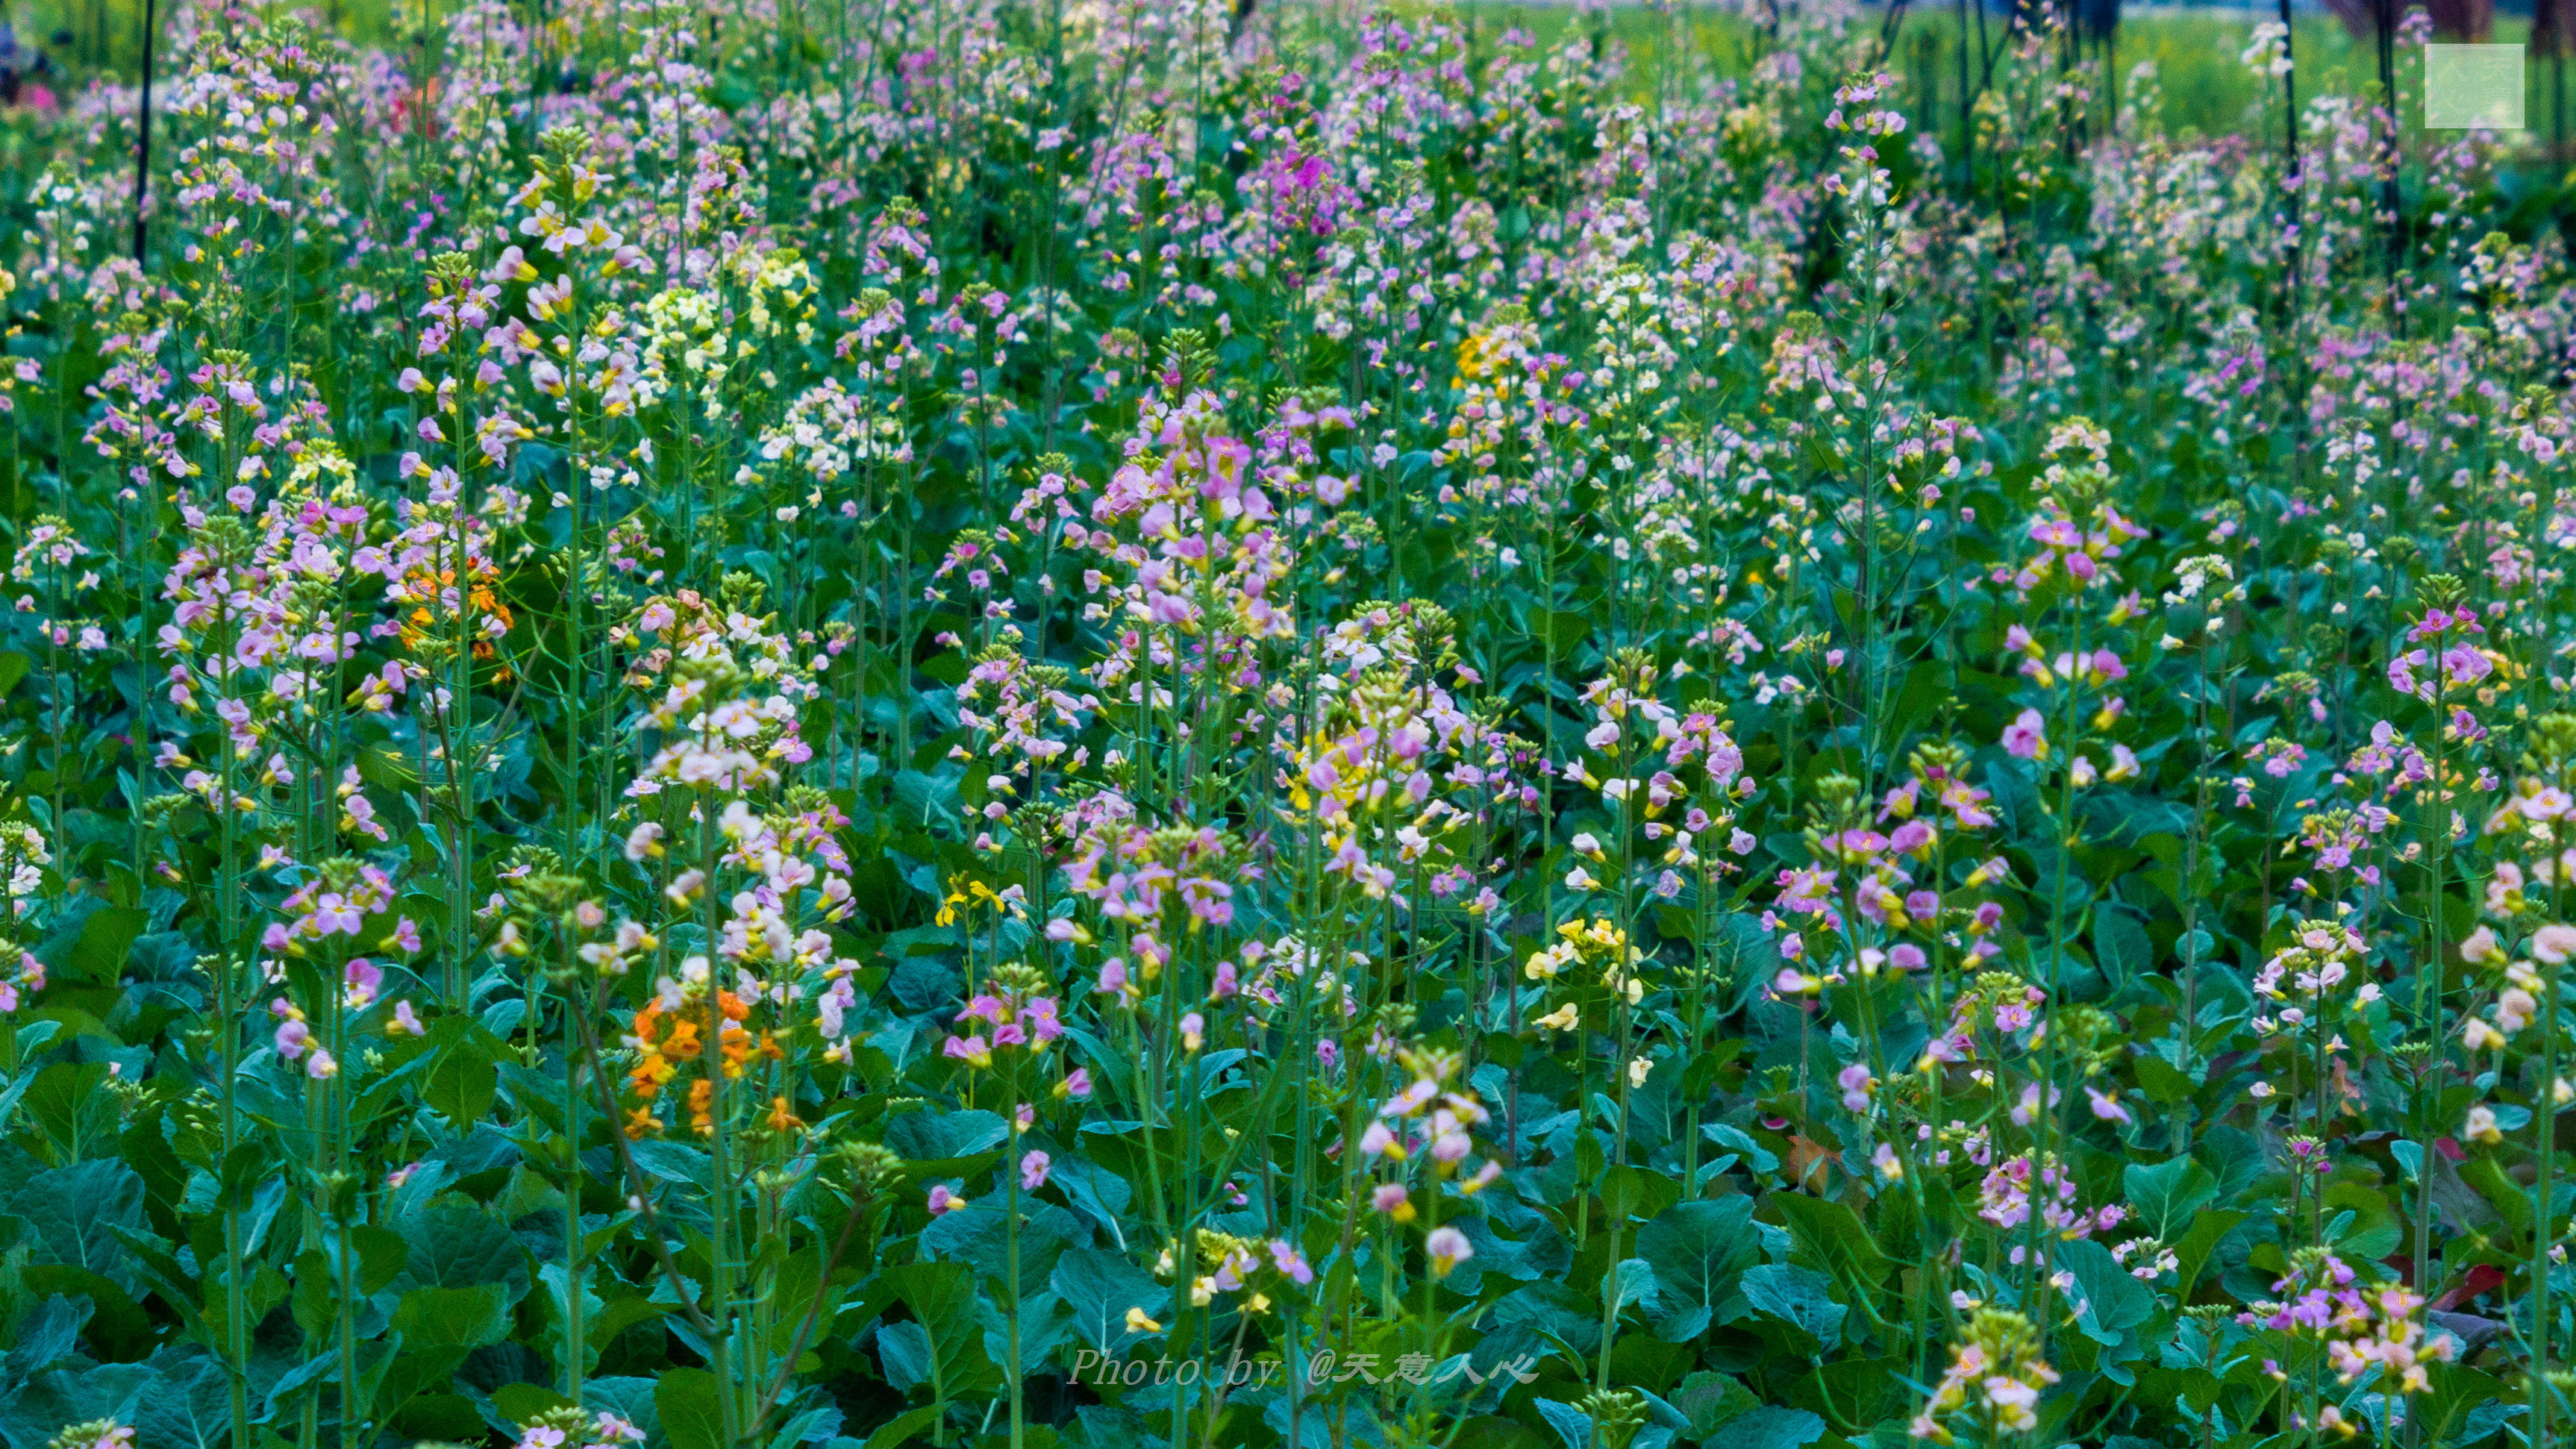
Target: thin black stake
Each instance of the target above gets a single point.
(143, 141)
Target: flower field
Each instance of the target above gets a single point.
(1224, 725)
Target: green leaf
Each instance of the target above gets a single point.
(1573, 1426)
(2163, 1197)
(1636, 1192)
(520, 1404)
(466, 1077)
(1697, 1250)
(942, 1299)
(2208, 1226)
(1800, 1298)
(317, 1293)
(31, 1414)
(464, 1317)
(2114, 1302)
(2161, 1080)
(904, 1427)
(1768, 1428)
(119, 1328)
(188, 1404)
(70, 1103)
(1100, 1286)
(381, 1256)
(454, 1243)
(628, 1398)
(926, 1139)
(1829, 1235)
(2120, 943)
(74, 1212)
(99, 955)
(1859, 1392)
(691, 1404)
(1711, 1399)
(2502, 1193)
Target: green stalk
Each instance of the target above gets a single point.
(576, 1338)
(720, 1287)
(2545, 1148)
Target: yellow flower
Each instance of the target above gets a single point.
(1137, 1322)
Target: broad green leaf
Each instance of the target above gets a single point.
(454, 1243)
(2163, 1197)
(691, 1404)
(1829, 1235)
(904, 1427)
(1697, 1249)
(1100, 1286)
(941, 1137)
(942, 1299)
(1799, 1298)
(2113, 1302)
(74, 1211)
(1768, 1428)
(462, 1317)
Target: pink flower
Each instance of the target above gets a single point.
(1291, 1263)
(1448, 1248)
(2025, 738)
(404, 1023)
(944, 1202)
(1855, 1082)
(1033, 1171)
(2107, 1108)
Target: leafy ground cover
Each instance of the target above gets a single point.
(1111, 725)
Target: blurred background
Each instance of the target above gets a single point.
(2198, 50)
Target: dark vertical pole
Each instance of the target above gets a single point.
(1967, 136)
(2384, 18)
(2290, 126)
(143, 137)
(2546, 39)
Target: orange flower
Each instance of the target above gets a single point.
(684, 1040)
(781, 1119)
(641, 1123)
(702, 1096)
(481, 603)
